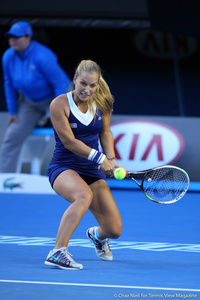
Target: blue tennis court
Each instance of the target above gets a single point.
(157, 256)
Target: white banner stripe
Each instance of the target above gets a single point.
(115, 244)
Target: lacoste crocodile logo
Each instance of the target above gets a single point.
(10, 184)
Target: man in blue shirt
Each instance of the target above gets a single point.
(32, 78)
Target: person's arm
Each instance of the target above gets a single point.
(59, 109)
(11, 93)
(106, 137)
(106, 140)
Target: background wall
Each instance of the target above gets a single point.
(144, 74)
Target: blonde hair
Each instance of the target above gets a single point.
(102, 96)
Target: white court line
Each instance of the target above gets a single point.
(101, 285)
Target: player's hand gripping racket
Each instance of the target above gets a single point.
(166, 184)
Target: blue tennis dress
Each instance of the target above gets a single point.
(86, 128)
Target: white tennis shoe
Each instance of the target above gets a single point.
(102, 247)
(62, 259)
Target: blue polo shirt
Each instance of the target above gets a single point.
(36, 74)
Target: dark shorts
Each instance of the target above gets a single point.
(88, 179)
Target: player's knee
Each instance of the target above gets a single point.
(85, 198)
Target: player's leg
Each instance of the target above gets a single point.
(106, 212)
(73, 188)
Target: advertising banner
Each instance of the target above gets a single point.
(145, 142)
(140, 143)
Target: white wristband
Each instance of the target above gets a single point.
(101, 159)
(96, 156)
(92, 154)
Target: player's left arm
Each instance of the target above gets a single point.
(106, 139)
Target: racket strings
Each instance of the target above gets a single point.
(165, 185)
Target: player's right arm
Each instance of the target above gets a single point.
(60, 111)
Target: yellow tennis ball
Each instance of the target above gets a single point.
(120, 173)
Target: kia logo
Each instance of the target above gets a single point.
(142, 144)
(162, 45)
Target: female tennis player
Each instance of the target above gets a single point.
(81, 119)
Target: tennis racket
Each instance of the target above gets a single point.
(165, 185)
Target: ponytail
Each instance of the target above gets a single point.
(102, 97)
